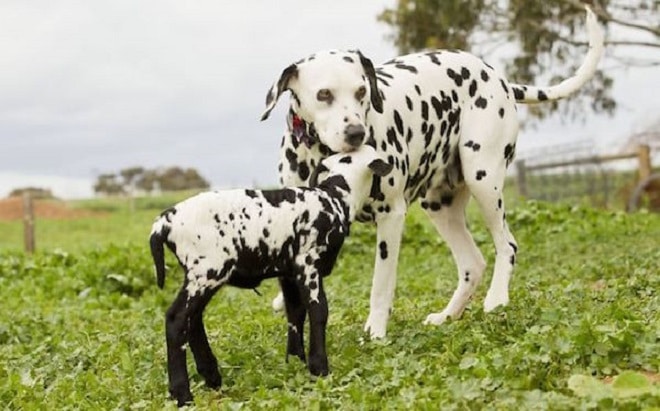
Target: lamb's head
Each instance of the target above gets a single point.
(350, 175)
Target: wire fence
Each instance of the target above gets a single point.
(577, 173)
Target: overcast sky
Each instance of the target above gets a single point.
(88, 87)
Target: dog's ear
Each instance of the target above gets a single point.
(376, 99)
(280, 86)
(313, 180)
(380, 168)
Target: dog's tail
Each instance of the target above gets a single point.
(157, 240)
(531, 94)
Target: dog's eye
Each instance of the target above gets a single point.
(324, 95)
(360, 93)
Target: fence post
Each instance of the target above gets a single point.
(28, 221)
(521, 178)
(644, 158)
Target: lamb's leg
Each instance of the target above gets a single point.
(207, 364)
(317, 305)
(176, 330)
(295, 313)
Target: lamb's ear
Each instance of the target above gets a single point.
(380, 167)
(279, 87)
(376, 99)
(313, 180)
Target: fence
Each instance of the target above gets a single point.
(602, 180)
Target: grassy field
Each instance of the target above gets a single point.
(82, 322)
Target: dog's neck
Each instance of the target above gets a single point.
(302, 131)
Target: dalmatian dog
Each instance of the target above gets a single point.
(447, 122)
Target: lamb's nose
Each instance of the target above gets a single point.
(354, 134)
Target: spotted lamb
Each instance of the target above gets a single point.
(241, 237)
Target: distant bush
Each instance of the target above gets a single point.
(36, 192)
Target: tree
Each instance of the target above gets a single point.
(35, 192)
(128, 180)
(176, 178)
(548, 34)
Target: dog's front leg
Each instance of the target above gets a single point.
(389, 232)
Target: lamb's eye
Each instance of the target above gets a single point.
(324, 95)
(360, 93)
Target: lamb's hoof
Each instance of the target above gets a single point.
(494, 300)
(436, 318)
(319, 368)
(214, 382)
(182, 398)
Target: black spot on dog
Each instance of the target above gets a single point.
(437, 106)
(266, 233)
(481, 174)
(292, 158)
(418, 90)
(383, 250)
(402, 66)
(473, 88)
(542, 96)
(481, 102)
(425, 110)
(398, 122)
(465, 73)
(501, 112)
(346, 160)
(506, 89)
(434, 58)
(349, 59)
(458, 79)
(467, 273)
(303, 171)
(484, 75)
(514, 247)
(509, 153)
(518, 93)
(251, 193)
(409, 103)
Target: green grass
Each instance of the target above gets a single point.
(81, 324)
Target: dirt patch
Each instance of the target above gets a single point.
(12, 209)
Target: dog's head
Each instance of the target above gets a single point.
(332, 91)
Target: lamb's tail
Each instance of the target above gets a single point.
(532, 94)
(157, 241)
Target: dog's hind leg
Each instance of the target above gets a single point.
(484, 172)
(447, 211)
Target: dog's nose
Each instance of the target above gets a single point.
(354, 134)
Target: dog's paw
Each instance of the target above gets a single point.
(494, 300)
(436, 318)
(376, 326)
(278, 302)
